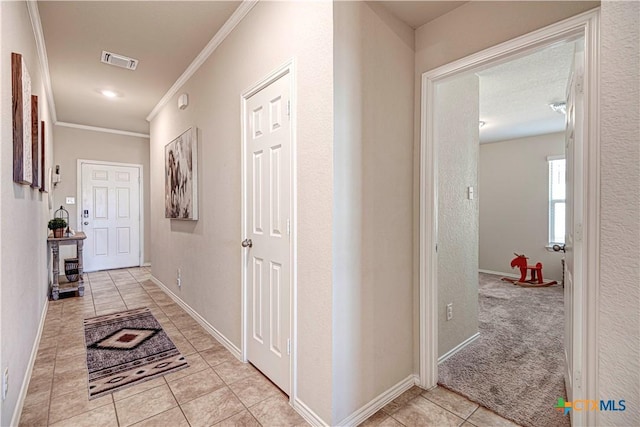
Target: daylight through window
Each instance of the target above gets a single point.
(557, 200)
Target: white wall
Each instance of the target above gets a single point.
(619, 317)
(73, 144)
(514, 203)
(24, 212)
(208, 250)
(457, 140)
(372, 233)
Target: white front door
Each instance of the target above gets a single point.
(573, 277)
(268, 206)
(110, 216)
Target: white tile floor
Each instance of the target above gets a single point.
(216, 389)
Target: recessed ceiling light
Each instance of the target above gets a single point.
(109, 93)
(481, 124)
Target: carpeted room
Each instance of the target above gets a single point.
(515, 364)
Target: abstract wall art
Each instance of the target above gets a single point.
(181, 176)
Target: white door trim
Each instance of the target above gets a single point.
(287, 68)
(587, 25)
(141, 187)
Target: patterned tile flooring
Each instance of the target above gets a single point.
(216, 389)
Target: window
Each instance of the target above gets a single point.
(557, 200)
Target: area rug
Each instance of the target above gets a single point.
(127, 348)
(515, 368)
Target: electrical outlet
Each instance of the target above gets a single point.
(450, 311)
(179, 278)
(5, 383)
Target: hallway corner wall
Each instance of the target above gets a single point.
(619, 293)
(24, 214)
(372, 233)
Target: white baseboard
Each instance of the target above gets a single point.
(201, 320)
(499, 273)
(17, 412)
(459, 347)
(308, 414)
(379, 402)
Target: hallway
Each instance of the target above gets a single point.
(216, 389)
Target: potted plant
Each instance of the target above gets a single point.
(57, 225)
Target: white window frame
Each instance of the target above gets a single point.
(553, 202)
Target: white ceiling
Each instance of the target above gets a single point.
(418, 13)
(515, 96)
(166, 36)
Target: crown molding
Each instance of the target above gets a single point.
(213, 44)
(104, 130)
(36, 24)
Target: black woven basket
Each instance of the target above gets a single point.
(71, 269)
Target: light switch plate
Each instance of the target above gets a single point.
(71, 200)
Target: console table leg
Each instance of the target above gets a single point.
(55, 287)
(79, 248)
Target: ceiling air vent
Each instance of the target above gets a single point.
(119, 60)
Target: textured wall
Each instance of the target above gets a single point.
(73, 144)
(514, 203)
(457, 145)
(619, 339)
(208, 250)
(25, 213)
(372, 234)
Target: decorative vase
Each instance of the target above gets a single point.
(58, 232)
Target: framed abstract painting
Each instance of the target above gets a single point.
(181, 176)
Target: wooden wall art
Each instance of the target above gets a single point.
(44, 187)
(22, 124)
(35, 149)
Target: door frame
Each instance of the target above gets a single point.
(287, 68)
(587, 25)
(140, 168)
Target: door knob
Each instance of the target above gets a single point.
(558, 248)
(86, 223)
(247, 243)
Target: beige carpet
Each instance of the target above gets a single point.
(515, 368)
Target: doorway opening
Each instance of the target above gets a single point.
(110, 212)
(437, 237)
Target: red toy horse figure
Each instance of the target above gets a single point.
(520, 261)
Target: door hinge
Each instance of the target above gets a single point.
(288, 226)
(578, 233)
(436, 247)
(577, 379)
(580, 84)
(288, 347)
(289, 109)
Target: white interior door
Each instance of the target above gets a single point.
(268, 207)
(574, 239)
(110, 216)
